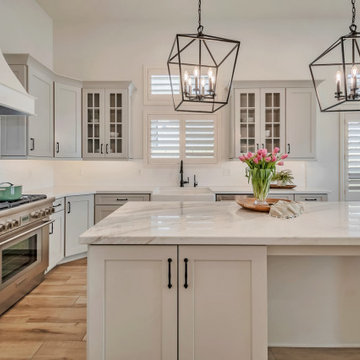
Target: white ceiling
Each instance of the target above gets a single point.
(106, 10)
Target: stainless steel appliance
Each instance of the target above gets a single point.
(24, 246)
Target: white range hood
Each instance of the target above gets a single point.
(14, 100)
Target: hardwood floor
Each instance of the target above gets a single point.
(50, 323)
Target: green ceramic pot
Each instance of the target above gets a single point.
(9, 191)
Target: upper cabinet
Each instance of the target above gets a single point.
(106, 120)
(67, 95)
(283, 116)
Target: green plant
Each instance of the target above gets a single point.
(284, 176)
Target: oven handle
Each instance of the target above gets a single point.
(27, 232)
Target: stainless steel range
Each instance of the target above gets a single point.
(24, 246)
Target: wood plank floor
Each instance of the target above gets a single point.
(50, 323)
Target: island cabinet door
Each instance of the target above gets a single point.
(222, 303)
(132, 310)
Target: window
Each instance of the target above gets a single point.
(157, 89)
(192, 138)
(352, 157)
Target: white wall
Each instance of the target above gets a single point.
(26, 28)
(270, 50)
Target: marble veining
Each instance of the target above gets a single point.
(323, 223)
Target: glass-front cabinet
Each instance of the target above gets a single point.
(259, 119)
(106, 123)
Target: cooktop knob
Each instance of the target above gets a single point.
(14, 223)
(2, 227)
(47, 211)
(42, 212)
(34, 214)
(8, 225)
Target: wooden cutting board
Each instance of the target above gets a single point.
(249, 203)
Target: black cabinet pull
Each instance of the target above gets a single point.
(186, 285)
(107, 148)
(69, 207)
(257, 146)
(32, 144)
(263, 146)
(52, 229)
(289, 148)
(57, 147)
(122, 199)
(169, 273)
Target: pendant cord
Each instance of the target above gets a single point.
(353, 26)
(200, 27)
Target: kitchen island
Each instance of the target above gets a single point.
(191, 279)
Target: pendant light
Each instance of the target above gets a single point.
(201, 70)
(335, 73)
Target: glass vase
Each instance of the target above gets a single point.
(260, 180)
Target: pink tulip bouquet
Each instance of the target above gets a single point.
(261, 168)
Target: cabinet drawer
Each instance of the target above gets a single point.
(281, 196)
(120, 198)
(311, 197)
(59, 204)
(231, 197)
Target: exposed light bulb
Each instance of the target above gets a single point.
(210, 73)
(354, 70)
(213, 79)
(186, 76)
(338, 76)
(203, 82)
(190, 82)
(196, 72)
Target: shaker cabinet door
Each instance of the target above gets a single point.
(132, 310)
(300, 123)
(79, 218)
(222, 303)
(67, 121)
(40, 126)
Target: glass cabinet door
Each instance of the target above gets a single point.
(273, 112)
(247, 120)
(116, 124)
(93, 127)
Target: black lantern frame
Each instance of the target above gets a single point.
(343, 56)
(205, 97)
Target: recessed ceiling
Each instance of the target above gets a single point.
(105, 10)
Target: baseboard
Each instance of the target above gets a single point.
(302, 345)
(73, 258)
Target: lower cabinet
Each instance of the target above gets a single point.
(141, 308)
(56, 238)
(79, 217)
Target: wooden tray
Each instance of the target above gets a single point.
(248, 203)
(275, 186)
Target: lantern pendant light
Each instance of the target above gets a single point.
(335, 73)
(201, 70)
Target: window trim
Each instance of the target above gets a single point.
(169, 115)
(150, 99)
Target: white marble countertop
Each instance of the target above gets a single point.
(62, 191)
(225, 223)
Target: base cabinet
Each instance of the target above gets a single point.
(56, 239)
(79, 217)
(137, 310)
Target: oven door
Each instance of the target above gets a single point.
(22, 252)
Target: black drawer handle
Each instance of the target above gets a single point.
(52, 229)
(57, 147)
(311, 199)
(57, 205)
(107, 148)
(32, 144)
(186, 285)
(289, 149)
(69, 207)
(122, 199)
(169, 273)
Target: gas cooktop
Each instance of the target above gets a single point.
(25, 199)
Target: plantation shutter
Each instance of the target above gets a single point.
(160, 85)
(200, 139)
(164, 139)
(352, 159)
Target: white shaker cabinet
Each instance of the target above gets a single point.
(40, 126)
(300, 123)
(57, 234)
(79, 216)
(106, 120)
(218, 310)
(132, 310)
(67, 119)
(222, 303)
(282, 116)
